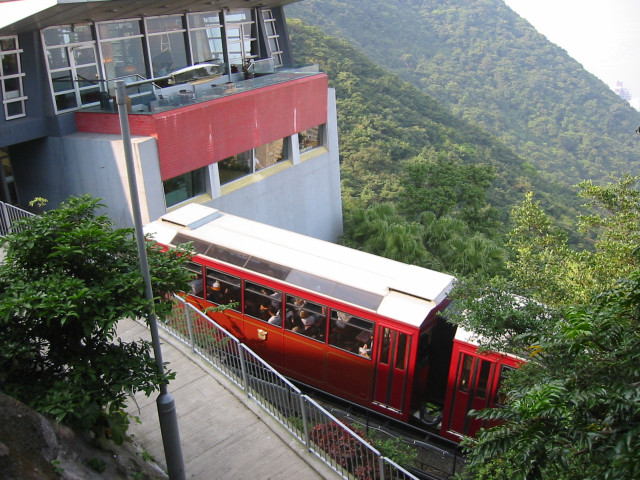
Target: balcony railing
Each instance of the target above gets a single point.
(148, 98)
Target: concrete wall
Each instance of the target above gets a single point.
(82, 163)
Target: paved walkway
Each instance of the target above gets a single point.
(224, 434)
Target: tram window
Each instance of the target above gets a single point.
(424, 346)
(465, 373)
(483, 380)
(267, 268)
(196, 284)
(228, 255)
(263, 303)
(501, 395)
(401, 356)
(305, 317)
(385, 349)
(350, 333)
(222, 288)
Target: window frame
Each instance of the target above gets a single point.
(20, 98)
(338, 337)
(252, 157)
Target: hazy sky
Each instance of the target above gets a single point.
(603, 35)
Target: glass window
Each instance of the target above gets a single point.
(11, 77)
(205, 34)
(246, 163)
(73, 66)
(272, 36)
(263, 303)
(351, 333)
(483, 379)
(197, 283)
(465, 373)
(306, 318)
(310, 139)
(223, 289)
(123, 59)
(66, 34)
(183, 187)
(167, 49)
(501, 395)
(269, 154)
(401, 355)
(235, 167)
(241, 38)
(119, 29)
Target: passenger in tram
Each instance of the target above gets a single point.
(196, 286)
(275, 299)
(365, 350)
(308, 321)
(275, 317)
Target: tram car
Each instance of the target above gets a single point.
(357, 326)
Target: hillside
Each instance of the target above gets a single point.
(490, 67)
(384, 121)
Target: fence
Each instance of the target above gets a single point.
(334, 442)
(8, 216)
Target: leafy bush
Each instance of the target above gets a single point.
(67, 279)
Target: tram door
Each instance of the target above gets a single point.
(391, 373)
(471, 392)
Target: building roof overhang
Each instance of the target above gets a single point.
(20, 16)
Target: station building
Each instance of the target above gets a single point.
(219, 114)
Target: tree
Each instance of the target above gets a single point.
(445, 185)
(548, 268)
(573, 410)
(67, 279)
(443, 244)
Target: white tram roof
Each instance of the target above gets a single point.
(406, 293)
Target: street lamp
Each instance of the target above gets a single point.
(166, 405)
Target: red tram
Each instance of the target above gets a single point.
(357, 326)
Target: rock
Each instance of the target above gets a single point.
(35, 448)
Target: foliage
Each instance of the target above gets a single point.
(492, 69)
(545, 264)
(443, 184)
(383, 122)
(443, 244)
(395, 449)
(67, 279)
(573, 410)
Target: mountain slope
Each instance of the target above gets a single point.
(492, 68)
(384, 121)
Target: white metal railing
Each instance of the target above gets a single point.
(334, 442)
(9, 215)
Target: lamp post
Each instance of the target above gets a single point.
(166, 405)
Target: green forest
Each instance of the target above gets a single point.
(470, 144)
(489, 66)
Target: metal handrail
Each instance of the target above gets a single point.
(324, 435)
(9, 215)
